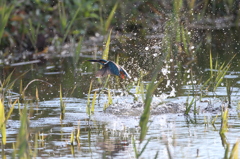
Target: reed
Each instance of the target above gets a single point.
(23, 147)
(93, 102)
(109, 101)
(2, 123)
(224, 121)
(216, 77)
(78, 133)
(67, 29)
(72, 138)
(62, 104)
(77, 52)
(5, 12)
(107, 45)
(33, 33)
(234, 152)
(88, 108)
(110, 17)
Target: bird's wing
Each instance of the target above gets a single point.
(113, 68)
(103, 72)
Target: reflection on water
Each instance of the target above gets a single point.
(106, 135)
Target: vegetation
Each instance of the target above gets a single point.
(35, 25)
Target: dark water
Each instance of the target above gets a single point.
(106, 135)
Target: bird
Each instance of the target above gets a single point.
(110, 68)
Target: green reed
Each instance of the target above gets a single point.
(110, 17)
(217, 77)
(88, 109)
(2, 122)
(234, 152)
(93, 102)
(143, 123)
(109, 101)
(140, 87)
(62, 105)
(229, 92)
(23, 147)
(91, 106)
(5, 12)
(107, 45)
(224, 121)
(77, 51)
(33, 33)
(72, 138)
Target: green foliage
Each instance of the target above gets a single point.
(224, 121)
(2, 123)
(62, 105)
(5, 12)
(110, 17)
(109, 101)
(107, 45)
(32, 34)
(216, 77)
(23, 136)
(88, 107)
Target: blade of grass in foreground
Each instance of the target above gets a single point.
(110, 17)
(234, 152)
(88, 110)
(62, 105)
(23, 136)
(93, 102)
(2, 123)
(147, 103)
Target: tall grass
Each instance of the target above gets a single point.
(62, 104)
(110, 17)
(91, 107)
(33, 33)
(5, 12)
(2, 123)
(144, 119)
(107, 45)
(23, 147)
(217, 73)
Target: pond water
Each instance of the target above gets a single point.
(106, 135)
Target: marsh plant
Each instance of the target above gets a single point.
(62, 104)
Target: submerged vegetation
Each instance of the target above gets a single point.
(166, 45)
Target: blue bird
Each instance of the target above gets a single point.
(110, 68)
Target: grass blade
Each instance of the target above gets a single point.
(93, 102)
(234, 152)
(110, 17)
(106, 50)
(2, 123)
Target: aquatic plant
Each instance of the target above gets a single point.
(5, 12)
(62, 104)
(110, 17)
(109, 100)
(90, 107)
(23, 148)
(33, 34)
(216, 77)
(2, 123)
(66, 28)
(106, 50)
